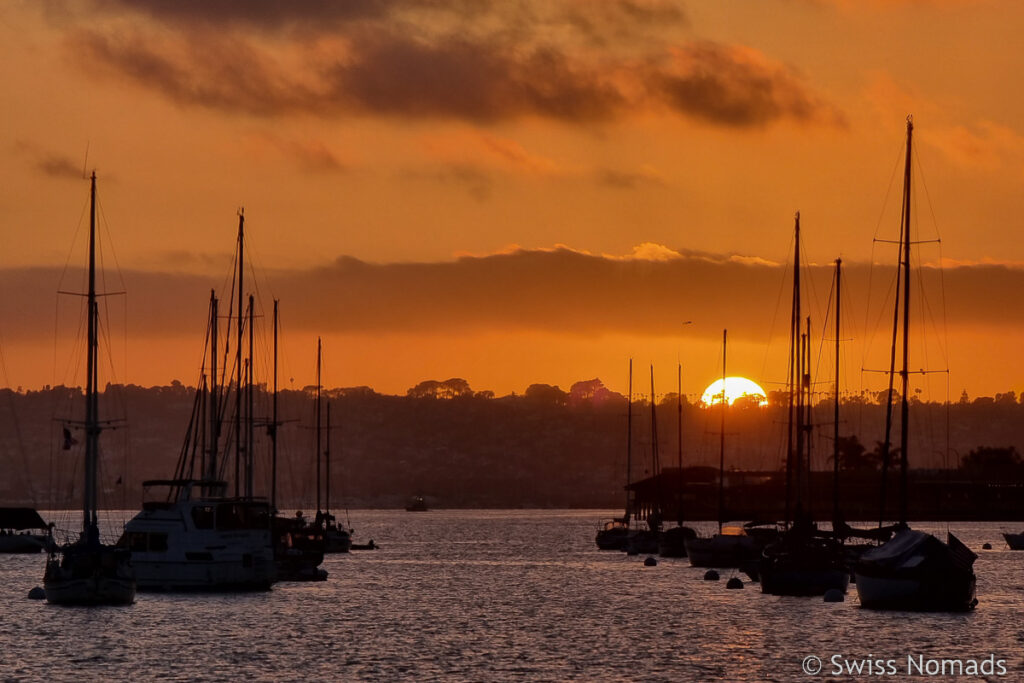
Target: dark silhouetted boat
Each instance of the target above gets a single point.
(416, 504)
(913, 571)
(86, 571)
(1014, 541)
(731, 547)
(22, 530)
(614, 533)
(804, 560)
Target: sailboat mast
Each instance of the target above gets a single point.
(904, 405)
(273, 424)
(679, 436)
(806, 423)
(835, 405)
(721, 445)
(238, 352)
(318, 351)
(327, 463)
(655, 461)
(212, 466)
(92, 427)
(249, 391)
(792, 460)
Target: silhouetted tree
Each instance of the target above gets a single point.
(545, 394)
(991, 461)
(853, 456)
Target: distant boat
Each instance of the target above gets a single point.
(416, 504)
(337, 539)
(194, 536)
(22, 530)
(672, 541)
(731, 547)
(1015, 541)
(86, 571)
(298, 543)
(614, 534)
(914, 570)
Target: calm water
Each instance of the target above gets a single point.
(498, 596)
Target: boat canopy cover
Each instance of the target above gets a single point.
(910, 548)
(20, 518)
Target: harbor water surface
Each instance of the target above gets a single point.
(473, 595)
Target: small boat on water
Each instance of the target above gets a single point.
(913, 571)
(416, 504)
(613, 534)
(337, 539)
(87, 571)
(672, 541)
(22, 530)
(1015, 541)
(731, 547)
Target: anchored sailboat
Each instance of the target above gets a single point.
(614, 533)
(731, 546)
(915, 570)
(87, 572)
(804, 561)
(195, 537)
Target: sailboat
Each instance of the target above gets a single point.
(195, 536)
(1014, 541)
(614, 533)
(337, 539)
(804, 560)
(672, 542)
(731, 546)
(87, 572)
(913, 571)
(22, 530)
(640, 540)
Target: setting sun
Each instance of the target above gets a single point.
(735, 387)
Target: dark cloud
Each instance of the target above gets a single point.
(559, 291)
(423, 59)
(267, 15)
(57, 166)
(463, 79)
(730, 86)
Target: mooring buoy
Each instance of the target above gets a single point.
(711, 575)
(37, 593)
(987, 546)
(834, 595)
(650, 562)
(734, 583)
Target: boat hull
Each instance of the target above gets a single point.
(917, 572)
(672, 542)
(1015, 541)
(202, 545)
(89, 576)
(721, 551)
(90, 592)
(802, 581)
(230, 575)
(23, 543)
(916, 595)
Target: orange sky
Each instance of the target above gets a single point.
(524, 192)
